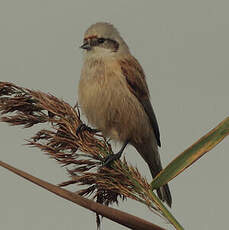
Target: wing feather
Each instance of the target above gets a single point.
(135, 78)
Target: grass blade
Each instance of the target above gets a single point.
(193, 153)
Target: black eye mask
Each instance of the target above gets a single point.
(106, 43)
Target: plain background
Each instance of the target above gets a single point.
(183, 48)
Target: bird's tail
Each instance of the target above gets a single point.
(164, 193)
(152, 158)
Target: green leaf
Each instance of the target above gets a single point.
(193, 153)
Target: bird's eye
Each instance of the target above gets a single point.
(101, 40)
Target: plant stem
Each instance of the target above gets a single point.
(166, 213)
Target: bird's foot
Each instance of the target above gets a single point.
(82, 127)
(111, 158)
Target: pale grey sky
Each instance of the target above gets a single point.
(183, 48)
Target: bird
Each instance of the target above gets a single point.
(114, 97)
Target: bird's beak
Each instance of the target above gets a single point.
(86, 46)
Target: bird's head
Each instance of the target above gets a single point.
(103, 39)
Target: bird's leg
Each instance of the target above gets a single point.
(112, 157)
(82, 127)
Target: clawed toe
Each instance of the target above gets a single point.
(82, 127)
(111, 158)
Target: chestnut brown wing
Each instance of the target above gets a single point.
(135, 78)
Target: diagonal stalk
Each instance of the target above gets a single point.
(166, 213)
